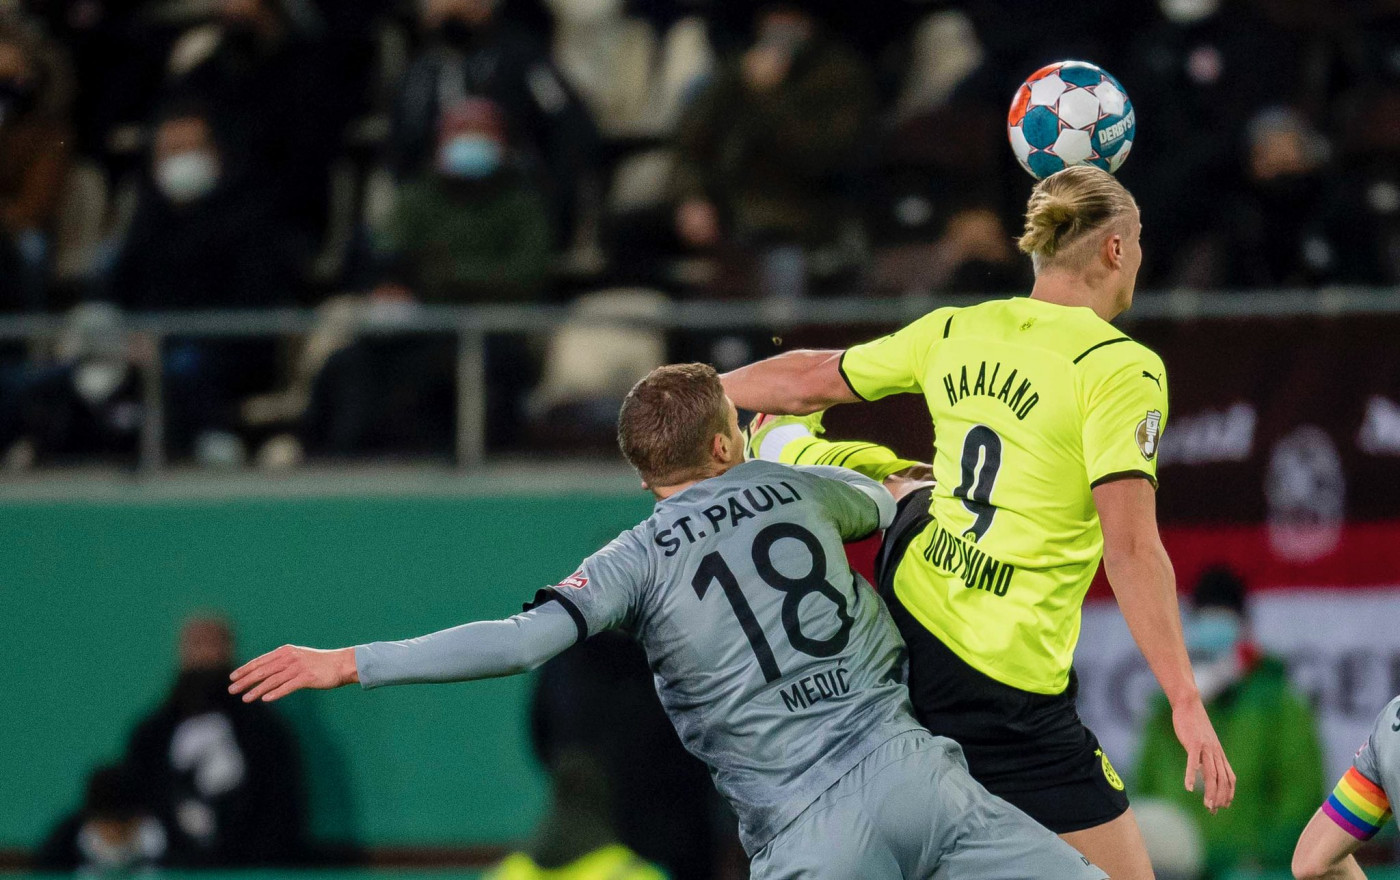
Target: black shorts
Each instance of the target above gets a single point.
(1030, 749)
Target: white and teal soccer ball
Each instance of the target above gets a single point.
(1071, 113)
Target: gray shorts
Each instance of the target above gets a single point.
(910, 811)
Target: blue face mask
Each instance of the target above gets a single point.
(1212, 633)
(471, 156)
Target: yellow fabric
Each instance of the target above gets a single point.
(1002, 583)
(870, 459)
(615, 862)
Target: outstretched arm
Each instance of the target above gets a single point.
(1141, 575)
(486, 649)
(794, 383)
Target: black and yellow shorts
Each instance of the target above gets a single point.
(1029, 749)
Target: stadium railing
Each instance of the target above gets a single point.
(472, 325)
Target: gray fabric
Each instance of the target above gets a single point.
(910, 811)
(1379, 758)
(772, 746)
(487, 649)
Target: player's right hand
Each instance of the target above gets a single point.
(291, 668)
(1204, 754)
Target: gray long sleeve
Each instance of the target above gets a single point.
(487, 649)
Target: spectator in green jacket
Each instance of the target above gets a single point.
(474, 229)
(1267, 728)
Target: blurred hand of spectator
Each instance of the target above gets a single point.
(697, 223)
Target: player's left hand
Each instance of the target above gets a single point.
(1204, 754)
(291, 668)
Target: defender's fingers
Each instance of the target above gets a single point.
(1227, 776)
(254, 664)
(270, 683)
(289, 688)
(260, 673)
(1193, 766)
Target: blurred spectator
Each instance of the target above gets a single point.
(1266, 727)
(768, 150)
(974, 253)
(224, 775)
(35, 135)
(576, 841)
(473, 53)
(1200, 72)
(84, 404)
(201, 238)
(597, 702)
(474, 228)
(1362, 206)
(1271, 233)
(264, 82)
(115, 832)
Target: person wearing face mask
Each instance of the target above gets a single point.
(1267, 727)
(224, 777)
(204, 237)
(472, 51)
(265, 80)
(475, 228)
(35, 133)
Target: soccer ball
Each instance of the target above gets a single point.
(1070, 113)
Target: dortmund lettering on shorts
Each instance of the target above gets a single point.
(1033, 404)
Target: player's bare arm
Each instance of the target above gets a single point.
(1144, 583)
(792, 383)
(1324, 852)
(291, 668)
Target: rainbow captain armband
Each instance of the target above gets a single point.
(1358, 805)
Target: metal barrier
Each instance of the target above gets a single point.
(471, 326)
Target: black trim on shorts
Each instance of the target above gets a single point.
(1124, 475)
(1101, 345)
(841, 368)
(549, 594)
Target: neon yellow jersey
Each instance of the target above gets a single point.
(1033, 404)
(615, 862)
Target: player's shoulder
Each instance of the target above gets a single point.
(1105, 350)
(1388, 722)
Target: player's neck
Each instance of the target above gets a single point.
(664, 492)
(1071, 289)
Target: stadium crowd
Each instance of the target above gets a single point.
(366, 157)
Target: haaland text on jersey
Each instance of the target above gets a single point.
(986, 385)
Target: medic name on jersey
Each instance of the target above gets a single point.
(985, 384)
(718, 517)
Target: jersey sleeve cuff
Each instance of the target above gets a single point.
(845, 377)
(549, 594)
(1114, 477)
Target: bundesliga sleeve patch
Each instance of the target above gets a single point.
(1358, 805)
(1148, 430)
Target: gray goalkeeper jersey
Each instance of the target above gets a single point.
(1379, 757)
(779, 666)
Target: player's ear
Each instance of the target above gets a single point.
(1113, 251)
(719, 448)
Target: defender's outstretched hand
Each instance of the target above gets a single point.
(1204, 754)
(291, 668)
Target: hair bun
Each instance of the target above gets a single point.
(1069, 203)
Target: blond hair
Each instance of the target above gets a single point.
(1069, 204)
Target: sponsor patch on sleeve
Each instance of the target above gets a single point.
(575, 581)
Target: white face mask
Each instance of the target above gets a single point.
(186, 177)
(1188, 11)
